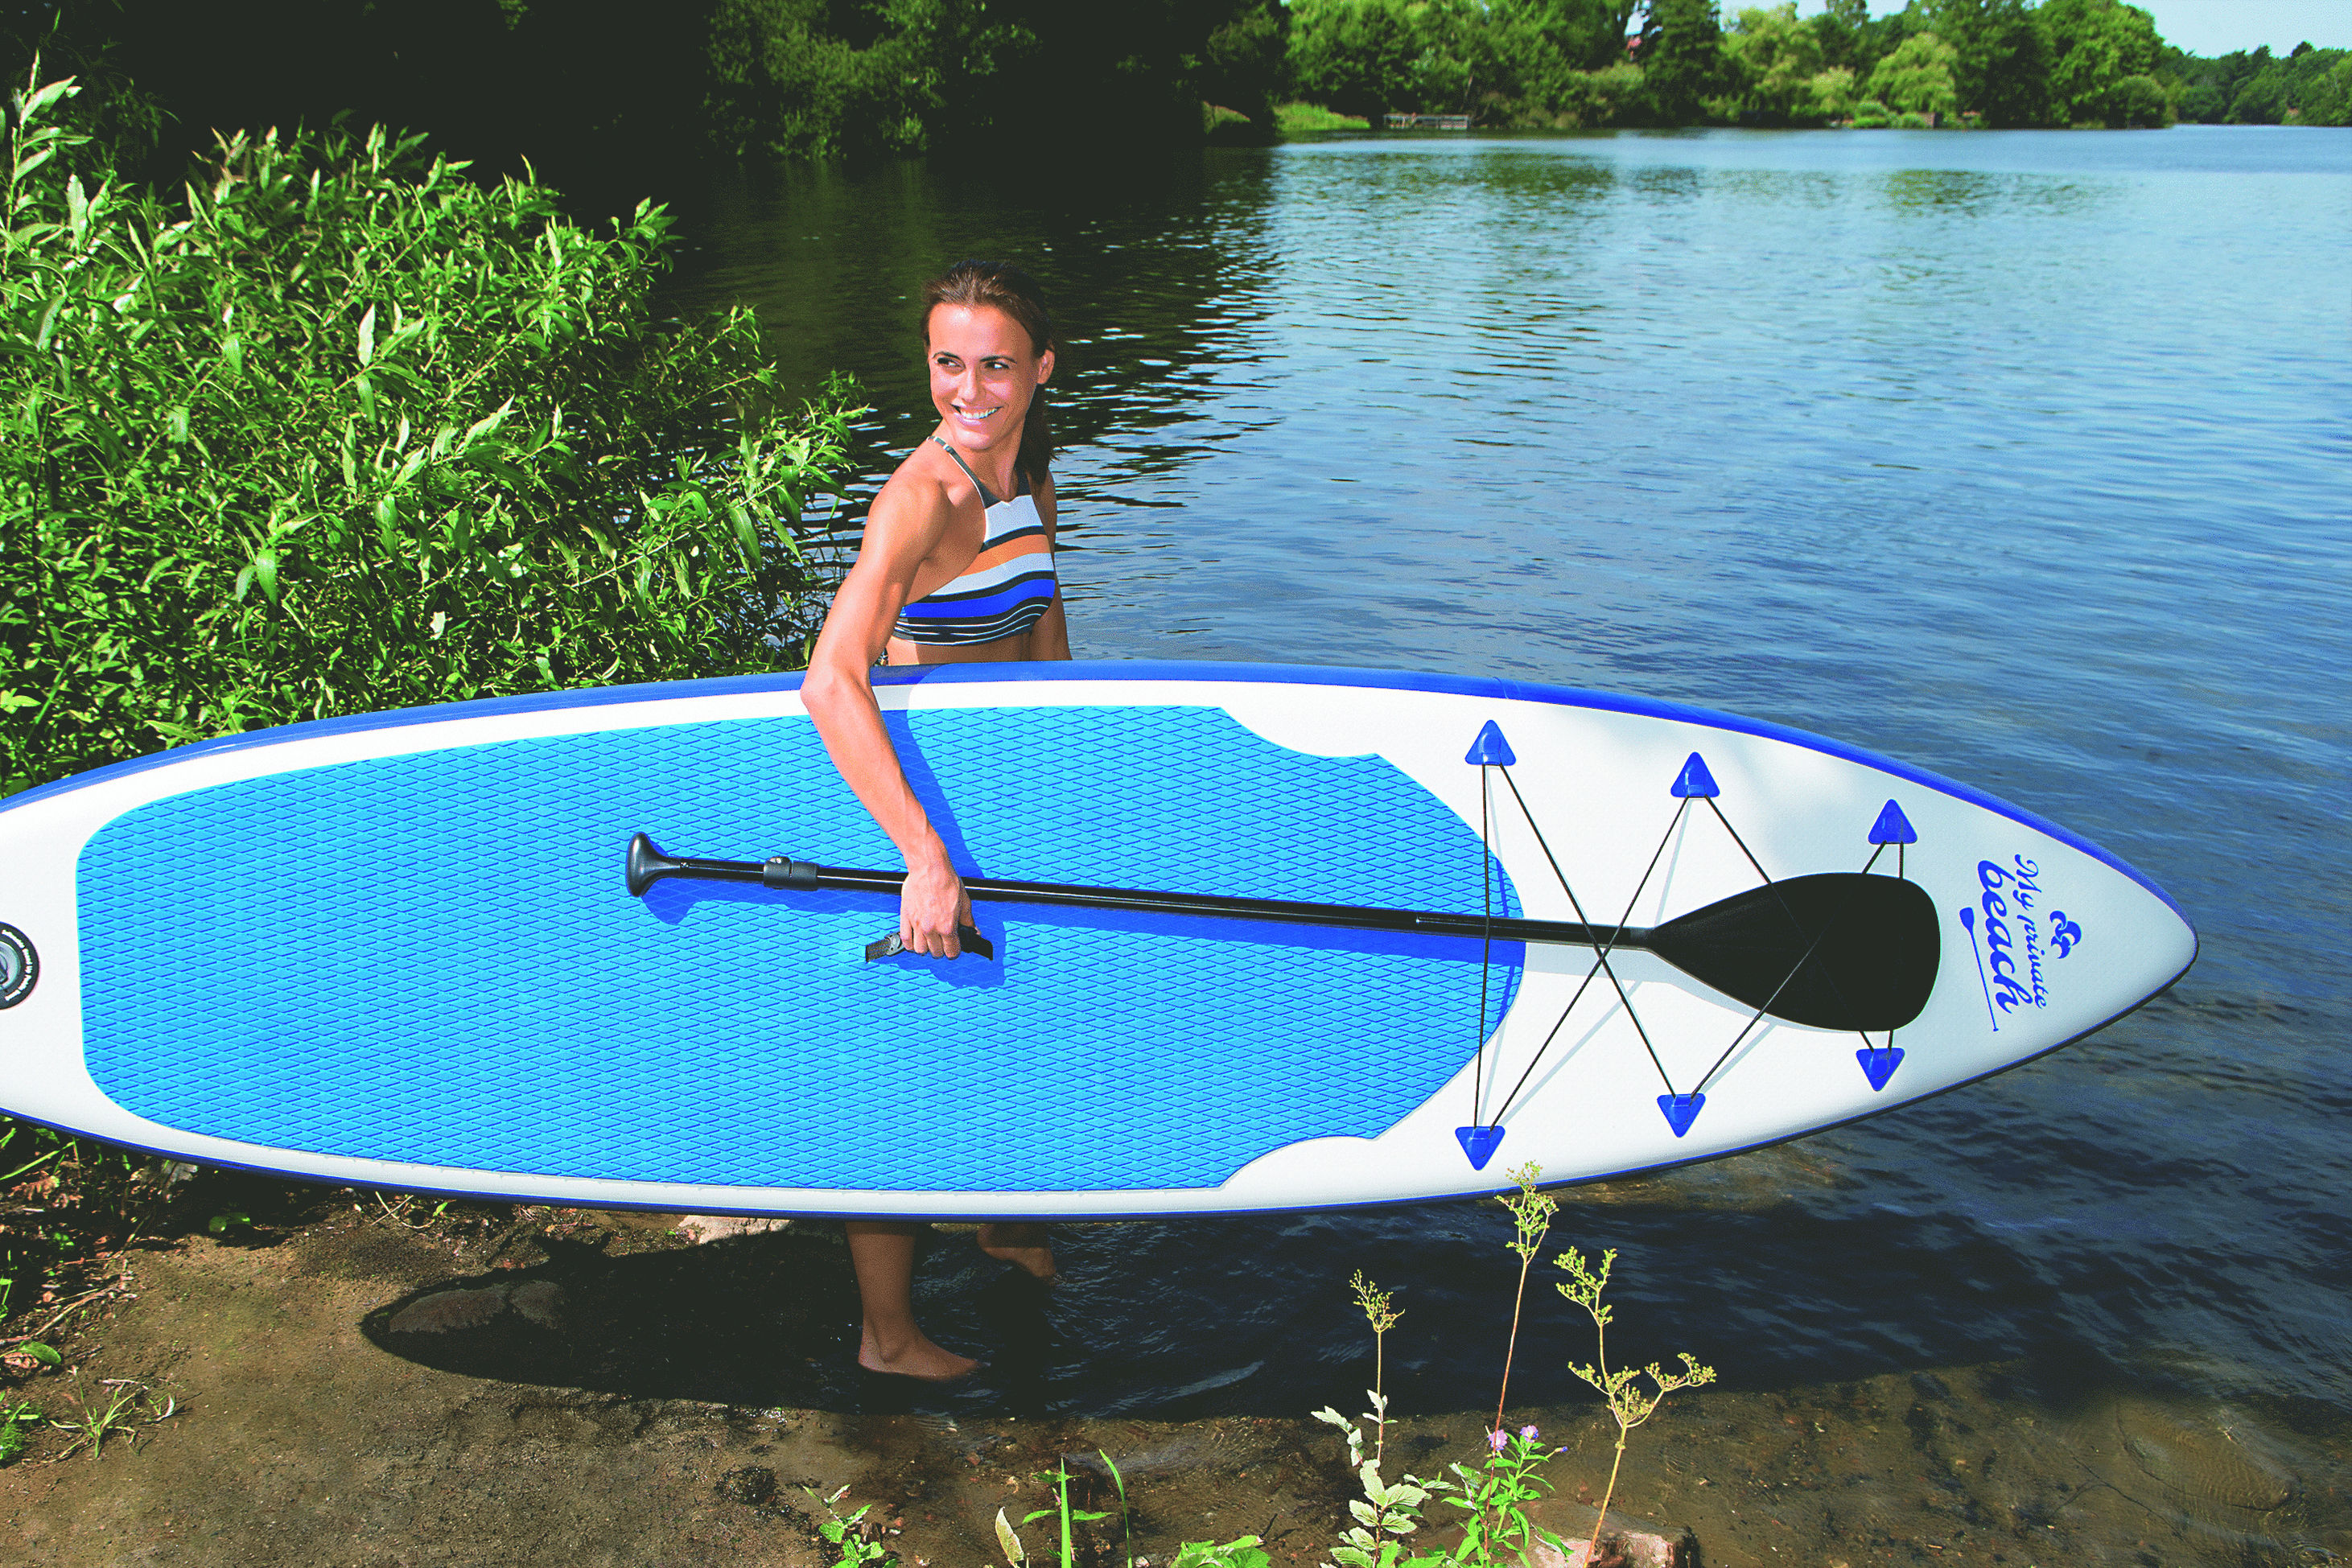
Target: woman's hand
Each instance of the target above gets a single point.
(932, 905)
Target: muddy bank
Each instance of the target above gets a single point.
(524, 1387)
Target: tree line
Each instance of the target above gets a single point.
(610, 100)
(2002, 63)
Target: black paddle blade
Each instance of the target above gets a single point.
(1837, 950)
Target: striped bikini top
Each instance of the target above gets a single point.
(1009, 585)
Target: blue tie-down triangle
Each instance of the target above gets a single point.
(1681, 1110)
(1480, 1143)
(1893, 826)
(1695, 779)
(1490, 746)
(1878, 1063)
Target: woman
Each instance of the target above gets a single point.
(957, 566)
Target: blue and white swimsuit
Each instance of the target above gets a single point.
(1009, 584)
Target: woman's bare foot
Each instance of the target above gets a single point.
(882, 1254)
(1022, 1244)
(917, 1358)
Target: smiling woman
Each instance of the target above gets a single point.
(957, 566)
(957, 563)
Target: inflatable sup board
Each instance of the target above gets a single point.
(1256, 939)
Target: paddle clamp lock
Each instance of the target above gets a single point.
(778, 872)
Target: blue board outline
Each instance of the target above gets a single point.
(1494, 686)
(487, 1195)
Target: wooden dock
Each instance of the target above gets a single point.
(1429, 122)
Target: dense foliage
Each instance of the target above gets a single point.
(617, 98)
(349, 432)
(611, 98)
(1675, 62)
(2309, 86)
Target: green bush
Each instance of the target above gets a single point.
(1305, 119)
(1617, 96)
(1915, 80)
(349, 432)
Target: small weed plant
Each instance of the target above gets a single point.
(1059, 1479)
(117, 1410)
(1629, 1404)
(1531, 1212)
(857, 1542)
(17, 1420)
(1242, 1551)
(1491, 1497)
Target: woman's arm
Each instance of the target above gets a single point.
(902, 530)
(1050, 638)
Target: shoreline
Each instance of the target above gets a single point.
(307, 1429)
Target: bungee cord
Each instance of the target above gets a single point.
(1695, 782)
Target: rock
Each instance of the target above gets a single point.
(705, 1228)
(447, 1310)
(1622, 1548)
(539, 1300)
(2202, 1459)
(753, 1484)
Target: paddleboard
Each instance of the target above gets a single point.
(1259, 938)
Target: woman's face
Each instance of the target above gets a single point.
(983, 372)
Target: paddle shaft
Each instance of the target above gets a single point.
(807, 876)
(1832, 949)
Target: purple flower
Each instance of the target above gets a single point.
(1497, 1438)
(1529, 1433)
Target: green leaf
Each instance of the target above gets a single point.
(485, 426)
(46, 1354)
(746, 535)
(29, 109)
(1011, 1543)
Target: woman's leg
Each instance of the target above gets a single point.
(1023, 1244)
(882, 1254)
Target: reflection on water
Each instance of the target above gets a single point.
(2022, 457)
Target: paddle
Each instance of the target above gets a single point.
(1835, 950)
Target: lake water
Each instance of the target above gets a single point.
(2026, 457)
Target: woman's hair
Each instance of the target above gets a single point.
(1006, 287)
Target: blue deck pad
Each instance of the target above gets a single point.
(433, 958)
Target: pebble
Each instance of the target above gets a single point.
(706, 1228)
